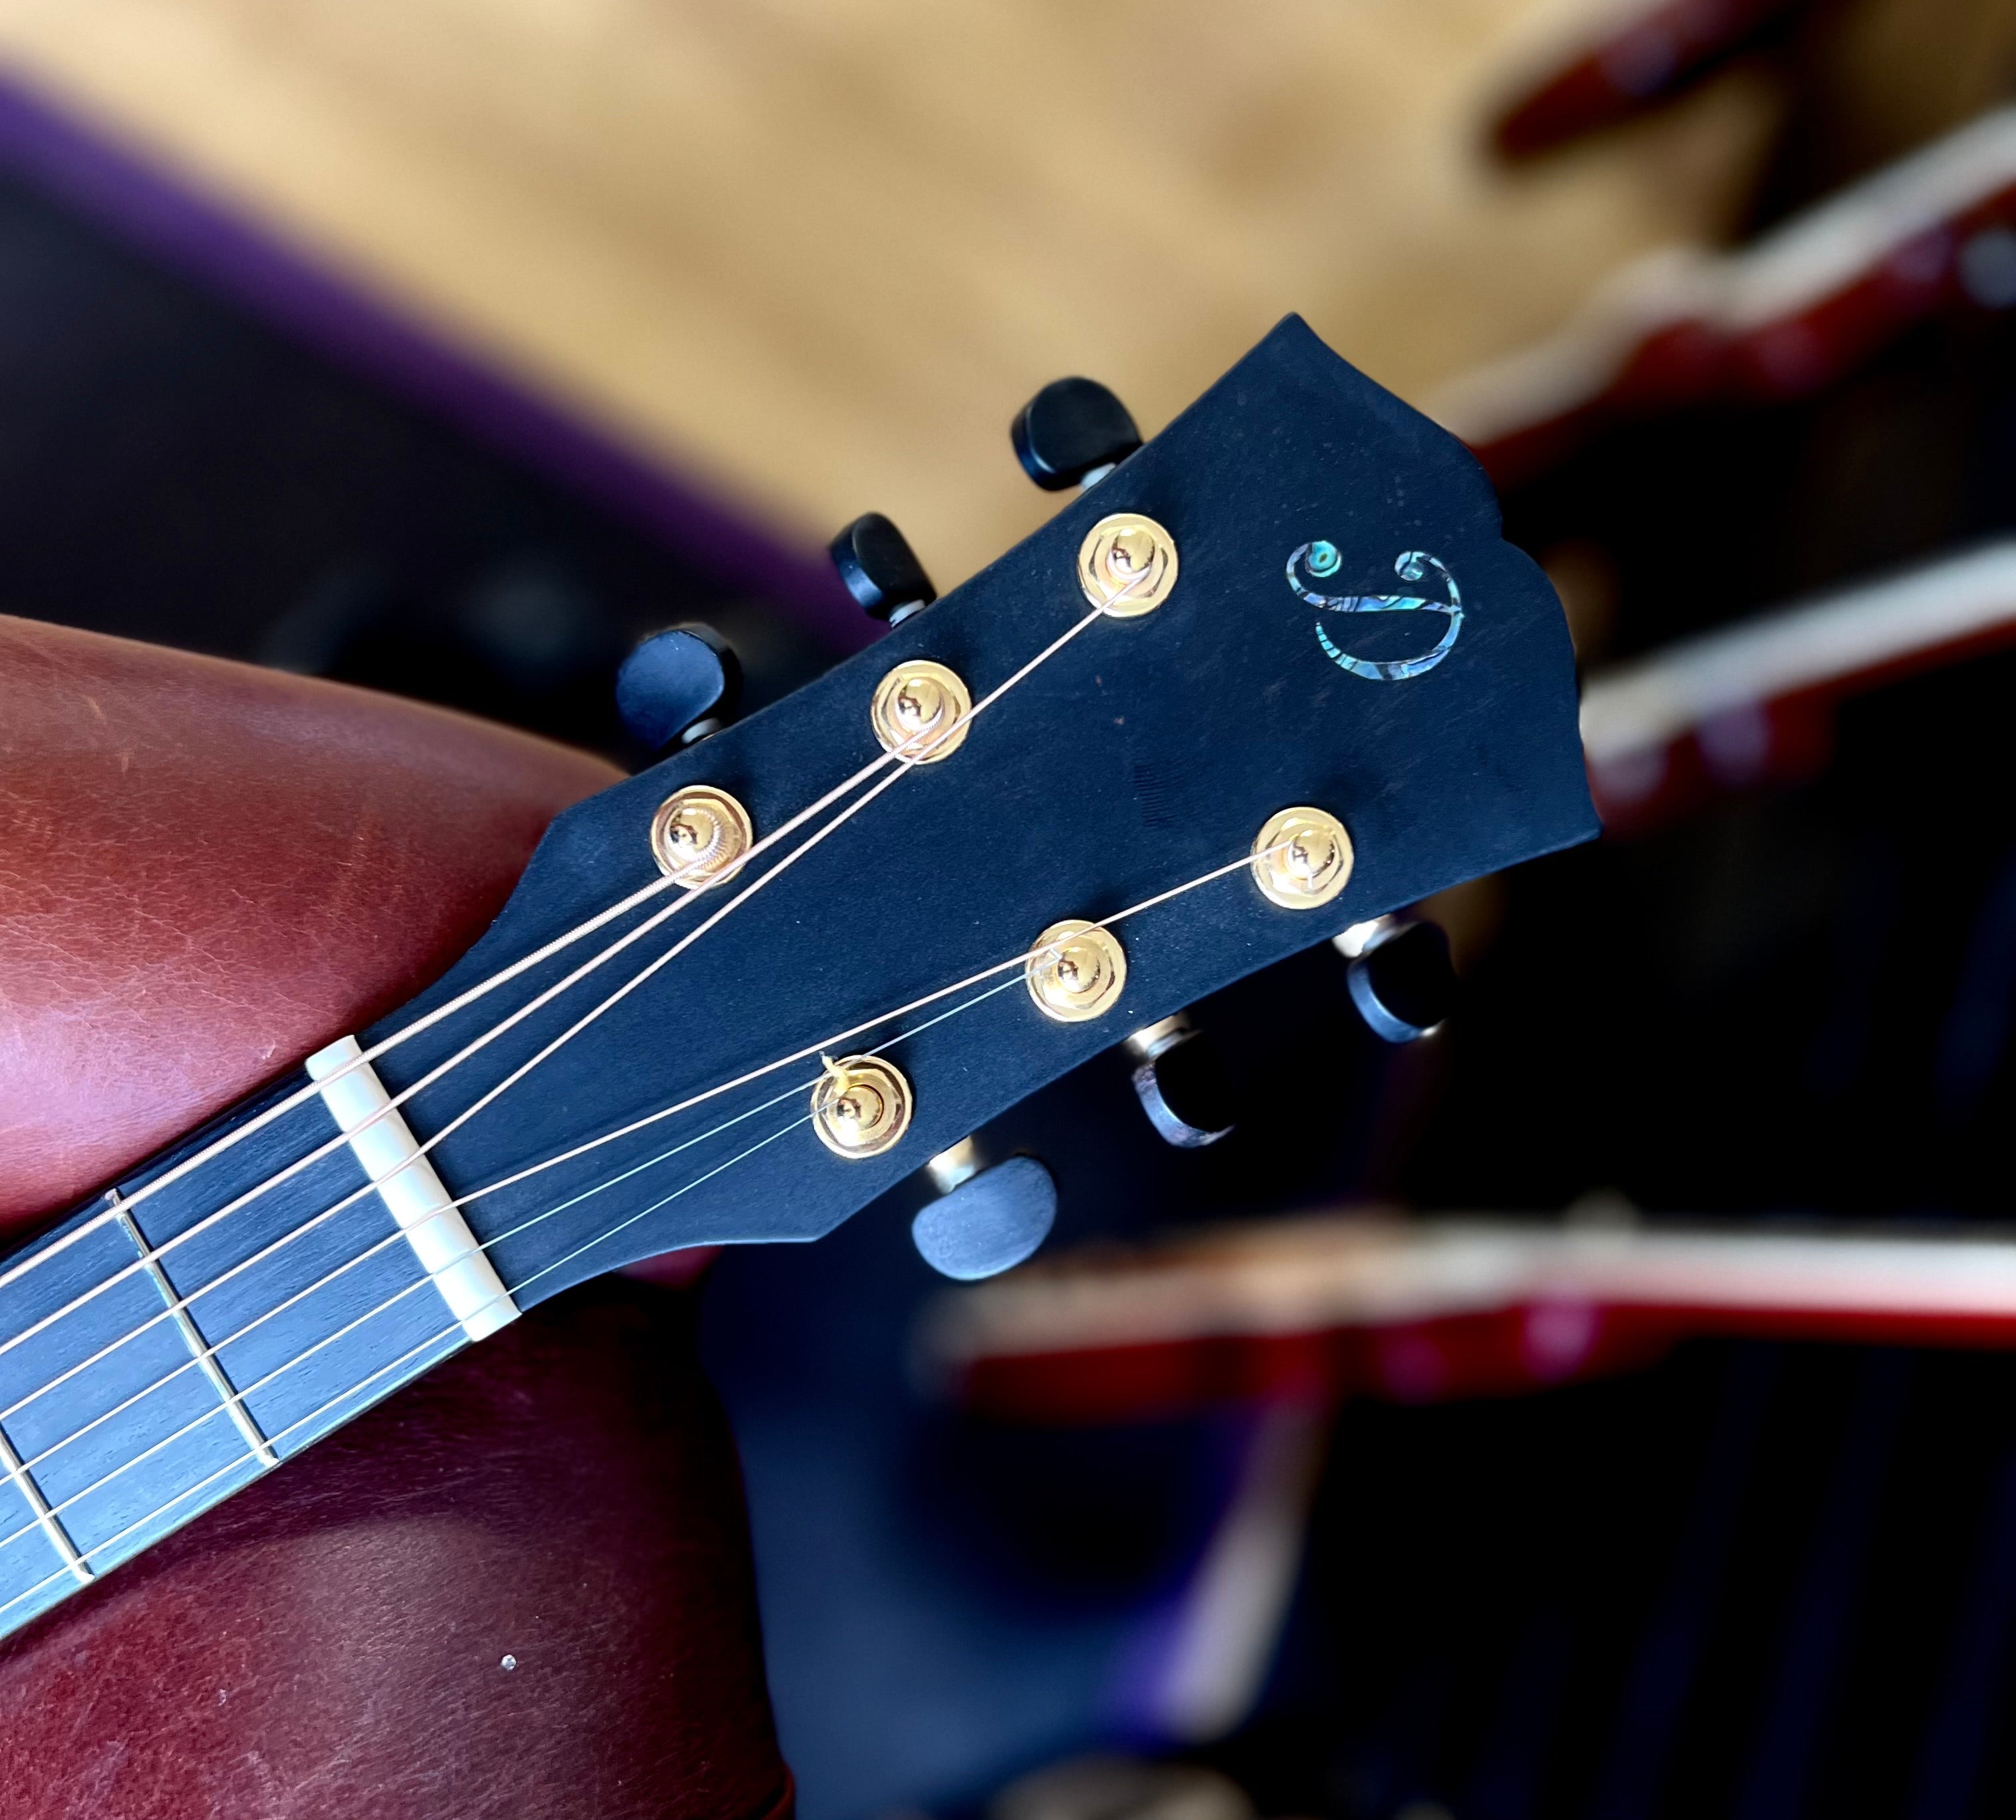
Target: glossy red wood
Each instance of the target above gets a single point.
(206, 871)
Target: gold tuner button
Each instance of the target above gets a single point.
(861, 1105)
(1302, 858)
(700, 835)
(1075, 971)
(920, 711)
(1127, 565)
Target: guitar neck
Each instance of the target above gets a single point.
(1191, 766)
(187, 1331)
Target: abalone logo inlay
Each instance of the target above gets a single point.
(1320, 561)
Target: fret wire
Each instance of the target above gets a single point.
(45, 1519)
(82, 1558)
(396, 1237)
(195, 1422)
(371, 1314)
(898, 757)
(104, 1352)
(201, 1355)
(314, 1415)
(1119, 916)
(231, 1465)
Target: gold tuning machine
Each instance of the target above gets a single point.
(700, 836)
(861, 1106)
(1076, 971)
(1302, 857)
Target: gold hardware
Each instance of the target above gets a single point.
(920, 710)
(700, 835)
(1075, 971)
(861, 1105)
(1127, 565)
(1302, 858)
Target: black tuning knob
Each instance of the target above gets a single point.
(1071, 434)
(984, 1219)
(678, 686)
(1401, 977)
(880, 569)
(1184, 1087)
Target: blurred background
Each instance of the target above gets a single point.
(449, 346)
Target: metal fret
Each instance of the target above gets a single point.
(191, 1336)
(38, 1507)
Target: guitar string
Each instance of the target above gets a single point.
(399, 1234)
(342, 1139)
(904, 765)
(56, 1509)
(154, 1252)
(1022, 959)
(482, 988)
(228, 1140)
(421, 1281)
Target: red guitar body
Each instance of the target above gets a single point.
(205, 873)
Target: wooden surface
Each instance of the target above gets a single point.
(816, 251)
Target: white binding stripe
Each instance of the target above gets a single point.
(406, 1181)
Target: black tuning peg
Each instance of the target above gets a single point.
(1185, 1090)
(983, 1219)
(678, 686)
(880, 569)
(1401, 977)
(1073, 432)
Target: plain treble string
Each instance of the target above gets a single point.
(167, 1440)
(228, 1140)
(898, 757)
(1018, 961)
(211, 1351)
(397, 1236)
(154, 1252)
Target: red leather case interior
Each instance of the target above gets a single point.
(206, 871)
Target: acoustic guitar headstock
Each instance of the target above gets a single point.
(1274, 674)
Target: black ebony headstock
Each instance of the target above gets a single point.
(1347, 642)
